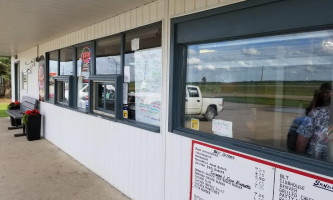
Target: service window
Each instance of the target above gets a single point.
(263, 90)
(105, 98)
(83, 64)
(63, 93)
(53, 71)
(108, 55)
(142, 73)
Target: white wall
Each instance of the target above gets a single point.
(24, 60)
(142, 164)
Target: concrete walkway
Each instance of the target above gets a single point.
(38, 170)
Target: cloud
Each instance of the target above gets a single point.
(199, 67)
(225, 67)
(193, 61)
(251, 51)
(192, 52)
(327, 46)
(211, 67)
(310, 69)
(245, 63)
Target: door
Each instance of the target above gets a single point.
(17, 81)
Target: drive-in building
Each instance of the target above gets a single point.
(181, 99)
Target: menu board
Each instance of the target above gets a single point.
(148, 69)
(218, 173)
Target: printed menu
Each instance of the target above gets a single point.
(218, 173)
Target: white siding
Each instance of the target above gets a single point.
(129, 158)
(24, 59)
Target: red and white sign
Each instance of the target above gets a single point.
(218, 173)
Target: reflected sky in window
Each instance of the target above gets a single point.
(292, 57)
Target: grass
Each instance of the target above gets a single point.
(3, 108)
(268, 101)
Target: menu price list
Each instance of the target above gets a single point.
(220, 175)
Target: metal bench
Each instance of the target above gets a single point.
(27, 103)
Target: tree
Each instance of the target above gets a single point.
(5, 67)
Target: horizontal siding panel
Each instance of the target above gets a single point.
(146, 14)
(153, 11)
(128, 20)
(122, 22)
(161, 9)
(189, 6)
(200, 4)
(133, 16)
(180, 7)
(212, 2)
(171, 8)
(139, 18)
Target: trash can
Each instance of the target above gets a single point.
(32, 127)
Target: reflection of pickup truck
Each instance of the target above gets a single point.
(195, 104)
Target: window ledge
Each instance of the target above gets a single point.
(136, 124)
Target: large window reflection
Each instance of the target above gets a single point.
(253, 89)
(66, 61)
(108, 56)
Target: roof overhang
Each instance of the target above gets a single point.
(28, 23)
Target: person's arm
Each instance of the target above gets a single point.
(301, 143)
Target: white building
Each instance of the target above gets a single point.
(132, 107)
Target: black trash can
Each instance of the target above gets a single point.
(32, 127)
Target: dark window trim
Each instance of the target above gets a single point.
(64, 78)
(177, 59)
(109, 82)
(102, 77)
(47, 71)
(117, 80)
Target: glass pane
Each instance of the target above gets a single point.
(143, 67)
(100, 95)
(108, 55)
(66, 61)
(259, 90)
(83, 58)
(62, 92)
(110, 97)
(53, 71)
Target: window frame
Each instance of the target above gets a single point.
(104, 79)
(98, 78)
(65, 79)
(47, 72)
(207, 27)
(92, 44)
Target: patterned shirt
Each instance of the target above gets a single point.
(315, 127)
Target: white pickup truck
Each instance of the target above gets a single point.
(195, 104)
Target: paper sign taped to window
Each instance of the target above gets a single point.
(221, 127)
(125, 93)
(135, 44)
(194, 124)
(127, 74)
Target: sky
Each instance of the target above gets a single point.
(292, 57)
